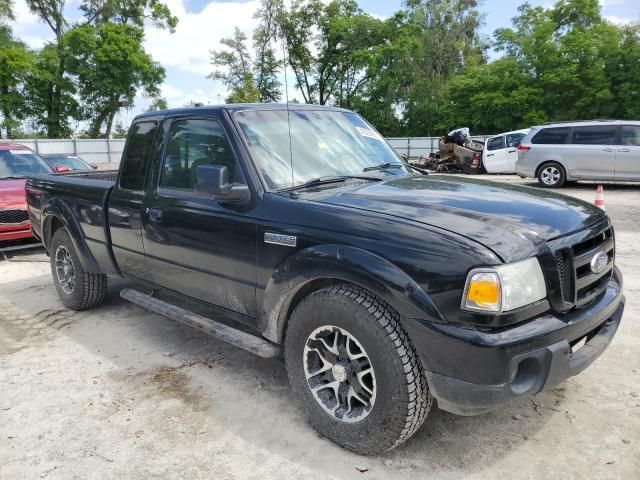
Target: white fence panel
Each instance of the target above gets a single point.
(92, 150)
(110, 151)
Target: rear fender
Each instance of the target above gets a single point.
(335, 264)
(57, 209)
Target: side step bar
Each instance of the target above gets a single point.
(256, 345)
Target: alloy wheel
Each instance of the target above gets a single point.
(64, 270)
(339, 374)
(550, 175)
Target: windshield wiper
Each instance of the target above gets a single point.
(327, 180)
(383, 166)
(12, 177)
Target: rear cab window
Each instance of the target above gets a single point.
(551, 136)
(514, 139)
(134, 159)
(495, 143)
(594, 135)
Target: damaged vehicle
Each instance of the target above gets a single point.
(296, 231)
(457, 153)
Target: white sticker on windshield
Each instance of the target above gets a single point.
(20, 152)
(367, 132)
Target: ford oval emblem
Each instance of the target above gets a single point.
(599, 262)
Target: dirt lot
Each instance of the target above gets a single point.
(119, 393)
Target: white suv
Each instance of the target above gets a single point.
(559, 152)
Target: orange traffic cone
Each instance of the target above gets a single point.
(599, 197)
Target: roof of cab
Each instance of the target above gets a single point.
(236, 107)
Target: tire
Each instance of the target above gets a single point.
(395, 392)
(551, 175)
(78, 290)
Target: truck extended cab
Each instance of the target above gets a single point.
(297, 231)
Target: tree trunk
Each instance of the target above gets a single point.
(96, 124)
(110, 118)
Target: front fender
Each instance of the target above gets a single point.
(56, 208)
(342, 263)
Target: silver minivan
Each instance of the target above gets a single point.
(600, 150)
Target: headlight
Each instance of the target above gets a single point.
(504, 287)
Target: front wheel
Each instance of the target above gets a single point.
(552, 175)
(78, 290)
(354, 370)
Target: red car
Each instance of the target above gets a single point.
(17, 162)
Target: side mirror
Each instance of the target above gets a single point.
(61, 169)
(212, 181)
(93, 166)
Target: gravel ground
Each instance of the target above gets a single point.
(119, 393)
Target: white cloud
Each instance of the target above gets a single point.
(618, 20)
(177, 97)
(27, 26)
(197, 33)
(608, 3)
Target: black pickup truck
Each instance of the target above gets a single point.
(298, 232)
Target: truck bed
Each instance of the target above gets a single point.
(80, 199)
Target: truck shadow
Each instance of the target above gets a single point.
(221, 388)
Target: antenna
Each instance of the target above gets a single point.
(286, 96)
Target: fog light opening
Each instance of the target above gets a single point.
(525, 375)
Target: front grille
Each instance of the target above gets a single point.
(563, 265)
(578, 285)
(13, 217)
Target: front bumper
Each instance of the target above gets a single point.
(472, 372)
(15, 232)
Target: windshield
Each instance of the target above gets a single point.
(72, 163)
(21, 164)
(323, 144)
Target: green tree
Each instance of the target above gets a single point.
(158, 103)
(266, 65)
(50, 97)
(6, 9)
(248, 80)
(328, 48)
(445, 40)
(579, 60)
(54, 88)
(110, 65)
(234, 68)
(120, 131)
(494, 98)
(15, 64)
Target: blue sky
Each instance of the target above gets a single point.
(202, 23)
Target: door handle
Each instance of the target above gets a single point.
(511, 151)
(155, 214)
(489, 154)
(608, 150)
(624, 150)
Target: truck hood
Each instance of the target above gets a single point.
(12, 195)
(512, 220)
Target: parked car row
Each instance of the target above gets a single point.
(562, 152)
(18, 162)
(554, 153)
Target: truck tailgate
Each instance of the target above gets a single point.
(80, 201)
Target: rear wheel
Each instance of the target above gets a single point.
(551, 175)
(78, 290)
(354, 370)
